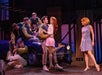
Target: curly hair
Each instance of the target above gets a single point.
(86, 20)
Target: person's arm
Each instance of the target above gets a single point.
(42, 33)
(26, 33)
(8, 54)
(40, 30)
(39, 21)
(12, 38)
(81, 41)
(92, 32)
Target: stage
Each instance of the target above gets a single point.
(68, 70)
(68, 14)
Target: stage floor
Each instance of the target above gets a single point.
(68, 70)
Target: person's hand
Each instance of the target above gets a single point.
(80, 46)
(15, 50)
(49, 35)
(92, 43)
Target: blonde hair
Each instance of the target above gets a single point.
(86, 20)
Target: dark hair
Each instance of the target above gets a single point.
(14, 26)
(34, 13)
(43, 18)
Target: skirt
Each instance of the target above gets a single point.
(86, 45)
(50, 42)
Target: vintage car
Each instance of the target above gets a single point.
(35, 52)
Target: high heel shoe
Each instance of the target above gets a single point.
(57, 66)
(86, 68)
(45, 68)
(98, 68)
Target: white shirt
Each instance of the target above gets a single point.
(50, 29)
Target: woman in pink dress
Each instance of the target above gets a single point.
(50, 43)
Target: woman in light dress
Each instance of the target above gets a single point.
(86, 42)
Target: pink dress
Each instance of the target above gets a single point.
(50, 41)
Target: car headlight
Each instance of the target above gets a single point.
(68, 47)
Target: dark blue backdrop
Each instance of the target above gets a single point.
(98, 41)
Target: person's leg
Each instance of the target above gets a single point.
(55, 61)
(50, 57)
(86, 61)
(59, 46)
(2, 67)
(55, 58)
(15, 57)
(44, 57)
(34, 39)
(93, 58)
